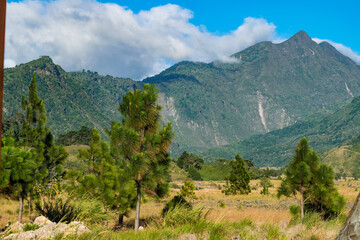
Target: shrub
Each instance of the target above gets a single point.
(30, 227)
(57, 210)
(181, 215)
(222, 204)
(176, 202)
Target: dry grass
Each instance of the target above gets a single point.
(260, 209)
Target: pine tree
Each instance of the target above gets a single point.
(18, 168)
(239, 179)
(312, 181)
(37, 138)
(140, 147)
(104, 179)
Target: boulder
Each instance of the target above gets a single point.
(351, 227)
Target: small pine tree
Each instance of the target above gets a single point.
(18, 168)
(312, 181)
(239, 179)
(102, 178)
(187, 190)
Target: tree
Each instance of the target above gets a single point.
(187, 190)
(102, 178)
(18, 168)
(37, 138)
(239, 179)
(265, 184)
(186, 161)
(312, 181)
(140, 147)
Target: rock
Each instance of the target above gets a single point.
(60, 228)
(351, 227)
(141, 228)
(16, 227)
(47, 230)
(42, 221)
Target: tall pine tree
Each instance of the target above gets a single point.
(239, 178)
(140, 146)
(37, 138)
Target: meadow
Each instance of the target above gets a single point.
(252, 216)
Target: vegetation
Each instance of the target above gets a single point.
(312, 181)
(239, 179)
(140, 146)
(80, 137)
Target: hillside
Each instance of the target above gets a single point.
(277, 148)
(267, 87)
(71, 99)
(271, 86)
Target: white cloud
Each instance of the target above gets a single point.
(111, 39)
(9, 63)
(341, 48)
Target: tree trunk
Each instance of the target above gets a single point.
(20, 209)
(121, 220)
(29, 204)
(301, 204)
(138, 202)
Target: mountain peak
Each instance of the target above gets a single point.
(300, 36)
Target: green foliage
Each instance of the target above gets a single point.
(194, 174)
(139, 145)
(314, 182)
(183, 215)
(18, 168)
(82, 136)
(187, 190)
(176, 201)
(186, 161)
(58, 210)
(30, 227)
(265, 184)
(222, 204)
(239, 179)
(102, 178)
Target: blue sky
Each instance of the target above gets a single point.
(338, 21)
(132, 38)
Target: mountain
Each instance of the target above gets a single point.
(71, 99)
(263, 88)
(267, 87)
(277, 148)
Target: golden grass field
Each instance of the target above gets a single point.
(258, 208)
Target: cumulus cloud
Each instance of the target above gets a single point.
(341, 48)
(111, 39)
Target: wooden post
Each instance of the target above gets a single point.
(2, 55)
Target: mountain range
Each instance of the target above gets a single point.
(217, 108)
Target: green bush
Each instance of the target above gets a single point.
(57, 210)
(180, 215)
(177, 201)
(222, 204)
(30, 227)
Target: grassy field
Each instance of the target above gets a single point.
(252, 216)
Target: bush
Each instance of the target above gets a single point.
(30, 227)
(176, 202)
(222, 204)
(57, 210)
(194, 174)
(181, 215)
